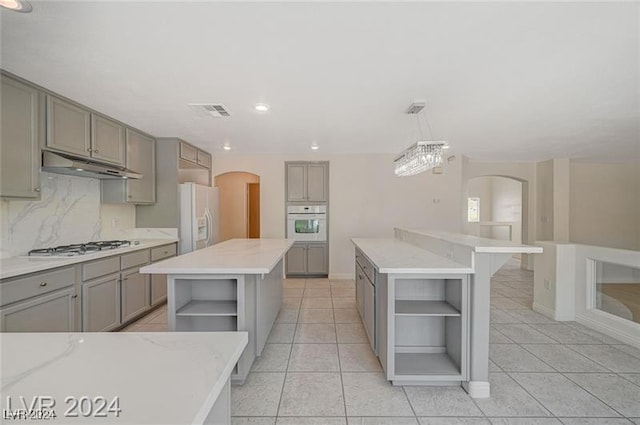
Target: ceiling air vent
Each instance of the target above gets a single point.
(214, 109)
(415, 107)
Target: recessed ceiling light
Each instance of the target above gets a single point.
(315, 147)
(16, 5)
(261, 107)
(226, 147)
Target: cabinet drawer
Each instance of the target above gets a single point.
(367, 266)
(42, 283)
(188, 152)
(137, 258)
(100, 268)
(162, 252)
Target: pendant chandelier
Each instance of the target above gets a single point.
(422, 155)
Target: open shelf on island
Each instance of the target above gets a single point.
(209, 308)
(425, 364)
(425, 308)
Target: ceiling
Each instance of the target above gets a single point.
(502, 81)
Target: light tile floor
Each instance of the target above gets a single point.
(317, 368)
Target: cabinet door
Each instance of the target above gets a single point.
(101, 304)
(19, 150)
(48, 313)
(158, 288)
(296, 260)
(360, 279)
(107, 140)
(317, 259)
(204, 159)
(296, 182)
(188, 152)
(68, 127)
(317, 182)
(135, 294)
(141, 158)
(369, 311)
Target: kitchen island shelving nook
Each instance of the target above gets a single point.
(235, 285)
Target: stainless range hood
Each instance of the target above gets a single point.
(61, 164)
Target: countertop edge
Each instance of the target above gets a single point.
(49, 263)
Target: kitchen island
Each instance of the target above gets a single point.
(425, 301)
(235, 285)
(119, 378)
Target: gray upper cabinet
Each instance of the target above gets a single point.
(204, 159)
(188, 152)
(107, 140)
(68, 127)
(141, 158)
(21, 130)
(317, 182)
(307, 181)
(296, 182)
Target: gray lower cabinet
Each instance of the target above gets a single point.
(159, 281)
(101, 304)
(307, 259)
(158, 288)
(369, 311)
(135, 294)
(19, 141)
(360, 291)
(53, 312)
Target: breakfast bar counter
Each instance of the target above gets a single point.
(235, 285)
(424, 298)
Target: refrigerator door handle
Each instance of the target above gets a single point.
(207, 216)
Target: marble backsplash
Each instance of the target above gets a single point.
(69, 211)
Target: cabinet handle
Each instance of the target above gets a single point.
(74, 296)
(37, 189)
(166, 252)
(95, 150)
(125, 278)
(359, 276)
(89, 149)
(43, 284)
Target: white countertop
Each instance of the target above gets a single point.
(235, 256)
(478, 244)
(16, 266)
(394, 256)
(160, 378)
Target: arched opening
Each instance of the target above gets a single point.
(495, 209)
(239, 210)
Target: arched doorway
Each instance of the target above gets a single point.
(497, 208)
(239, 210)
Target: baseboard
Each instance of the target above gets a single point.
(341, 276)
(477, 389)
(546, 311)
(625, 338)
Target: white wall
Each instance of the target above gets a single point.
(366, 199)
(506, 206)
(69, 211)
(605, 204)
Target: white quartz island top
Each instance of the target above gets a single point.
(16, 266)
(394, 256)
(235, 256)
(478, 244)
(159, 378)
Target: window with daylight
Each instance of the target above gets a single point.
(473, 210)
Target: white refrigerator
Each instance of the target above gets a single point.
(198, 217)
